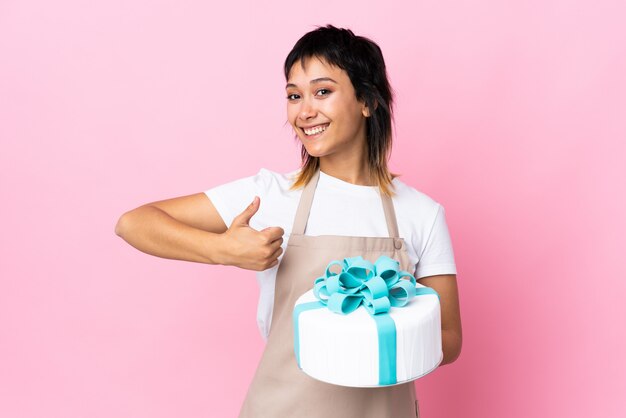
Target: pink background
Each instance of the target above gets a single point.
(510, 114)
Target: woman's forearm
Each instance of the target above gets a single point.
(451, 346)
(153, 231)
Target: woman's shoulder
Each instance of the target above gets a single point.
(414, 206)
(408, 195)
(273, 178)
(277, 183)
(280, 177)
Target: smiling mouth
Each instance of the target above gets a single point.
(315, 130)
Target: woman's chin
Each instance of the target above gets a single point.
(314, 151)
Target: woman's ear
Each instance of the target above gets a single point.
(366, 110)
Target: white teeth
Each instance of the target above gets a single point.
(315, 130)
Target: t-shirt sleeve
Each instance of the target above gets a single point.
(437, 256)
(230, 199)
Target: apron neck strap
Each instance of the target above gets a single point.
(306, 200)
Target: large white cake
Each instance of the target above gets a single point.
(343, 349)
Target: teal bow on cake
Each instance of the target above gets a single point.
(377, 286)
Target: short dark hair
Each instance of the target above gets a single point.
(362, 59)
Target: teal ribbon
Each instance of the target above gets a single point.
(377, 286)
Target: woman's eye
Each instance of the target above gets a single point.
(292, 96)
(322, 92)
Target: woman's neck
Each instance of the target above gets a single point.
(355, 172)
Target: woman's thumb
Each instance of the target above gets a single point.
(244, 217)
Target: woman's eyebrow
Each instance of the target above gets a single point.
(317, 80)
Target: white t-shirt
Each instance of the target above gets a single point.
(421, 220)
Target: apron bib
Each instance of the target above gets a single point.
(279, 388)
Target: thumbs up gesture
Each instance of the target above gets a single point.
(248, 248)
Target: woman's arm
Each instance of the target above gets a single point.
(451, 334)
(190, 228)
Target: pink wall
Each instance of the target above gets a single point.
(511, 114)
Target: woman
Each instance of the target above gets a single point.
(339, 104)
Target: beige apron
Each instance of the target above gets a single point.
(279, 388)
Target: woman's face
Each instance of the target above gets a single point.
(323, 109)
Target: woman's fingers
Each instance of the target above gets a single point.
(273, 233)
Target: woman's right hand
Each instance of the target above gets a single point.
(248, 248)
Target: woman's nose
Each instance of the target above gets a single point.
(307, 110)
